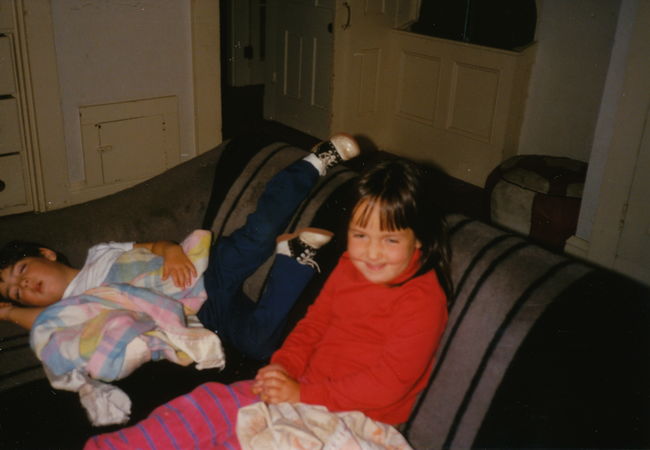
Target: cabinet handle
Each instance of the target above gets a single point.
(2, 185)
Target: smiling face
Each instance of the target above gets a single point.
(34, 281)
(381, 255)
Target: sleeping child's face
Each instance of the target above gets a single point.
(34, 281)
(380, 255)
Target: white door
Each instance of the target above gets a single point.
(361, 46)
(328, 61)
(621, 231)
(298, 90)
(633, 252)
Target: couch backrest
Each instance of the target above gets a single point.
(502, 285)
(520, 320)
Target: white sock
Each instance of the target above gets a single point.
(282, 248)
(317, 163)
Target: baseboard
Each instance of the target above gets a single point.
(577, 247)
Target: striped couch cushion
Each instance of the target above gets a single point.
(504, 288)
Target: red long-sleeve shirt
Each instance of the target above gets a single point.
(365, 346)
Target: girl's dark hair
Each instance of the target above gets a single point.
(14, 251)
(402, 189)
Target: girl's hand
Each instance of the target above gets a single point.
(178, 266)
(274, 385)
(258, 385)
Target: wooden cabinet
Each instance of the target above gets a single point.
(456, 105)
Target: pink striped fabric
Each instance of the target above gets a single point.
(204, 418)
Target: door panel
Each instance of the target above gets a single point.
(360, 57)
(298, 90)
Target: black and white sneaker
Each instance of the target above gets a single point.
(303, 245)
(340, 147)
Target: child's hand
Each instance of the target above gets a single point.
(274, 385)
(178, 266)
(258, 386)
(5, 309)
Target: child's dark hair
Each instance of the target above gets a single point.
(14, 251)
(400, 187)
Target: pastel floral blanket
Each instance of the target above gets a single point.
(107, 332)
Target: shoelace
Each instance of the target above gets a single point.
(328, 155)
(330, 158)
(306, 257)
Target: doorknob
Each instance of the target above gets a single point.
(346, 25)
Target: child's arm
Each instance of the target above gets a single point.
(176, 264)
(19, 315)
(278, 381)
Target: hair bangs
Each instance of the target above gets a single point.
(392, 213)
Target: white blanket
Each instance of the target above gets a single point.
(301, 426)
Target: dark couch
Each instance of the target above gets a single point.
(541, 350)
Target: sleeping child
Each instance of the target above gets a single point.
(132, 302)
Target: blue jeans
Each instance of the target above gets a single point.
(255, 328)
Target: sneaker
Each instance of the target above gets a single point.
(303, 245)
(340, 147)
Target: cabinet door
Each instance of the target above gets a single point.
(9, 127)
(12, 184)
(13, 189)
(6, 14)
(15, 193)
(127, 142)
(7, 84)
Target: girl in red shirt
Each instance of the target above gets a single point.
(369, 340)
(367, 343)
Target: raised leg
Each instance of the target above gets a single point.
(255, 328)
(234, 258)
